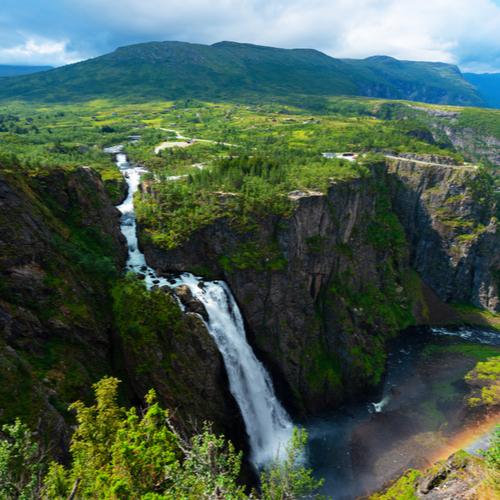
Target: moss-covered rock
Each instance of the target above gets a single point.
(484, 381)
(460, 476)
(324, 286)
(174, 353)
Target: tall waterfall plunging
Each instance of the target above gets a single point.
(267, 424)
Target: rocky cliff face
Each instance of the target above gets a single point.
(172, 352)
(461, 476)
(308, 285)
(54, 327)
(475, 143)
(477, 146)
(450, 221)
(321, 291)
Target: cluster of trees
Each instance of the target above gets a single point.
(119, 453)
(241, 188)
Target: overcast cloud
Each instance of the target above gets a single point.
(464, 32)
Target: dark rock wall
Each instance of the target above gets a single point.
(452, 230)
(298, 289)
(54, 323)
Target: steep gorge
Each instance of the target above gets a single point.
(322, 290)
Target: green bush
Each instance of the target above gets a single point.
(492, 454)
(21, 464)
(120, 453)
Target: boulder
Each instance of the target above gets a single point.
(191, 303)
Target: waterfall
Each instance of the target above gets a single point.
(267, 424)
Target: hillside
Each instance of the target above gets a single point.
(382, 76)
(488, 85)
(7, 70)
(171, 70)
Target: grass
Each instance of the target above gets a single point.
(476, 316)
(479, 352)
(402, 489)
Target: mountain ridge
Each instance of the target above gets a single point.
(488, 85)
(171, 70)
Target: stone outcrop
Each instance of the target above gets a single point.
(475, 143)
(189, 302)
(181, 361)
(462, 476)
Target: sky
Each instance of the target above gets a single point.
(57, 32)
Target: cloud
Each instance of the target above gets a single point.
(457, 31)
(36, 50)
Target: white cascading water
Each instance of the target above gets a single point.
(268, 425)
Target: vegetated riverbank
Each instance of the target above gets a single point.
(420, 416)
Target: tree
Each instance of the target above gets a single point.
(120, 453)
(288, 478)
(21, 463)
(492, 454)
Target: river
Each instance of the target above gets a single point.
(418, 417)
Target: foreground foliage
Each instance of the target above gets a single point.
(21, 463)
(120, 453)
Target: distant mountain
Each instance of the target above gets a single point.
(383, 76)
(171, 70)
(6, 70)
(488, 86)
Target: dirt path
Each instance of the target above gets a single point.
(183, 141)
(422, 162)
